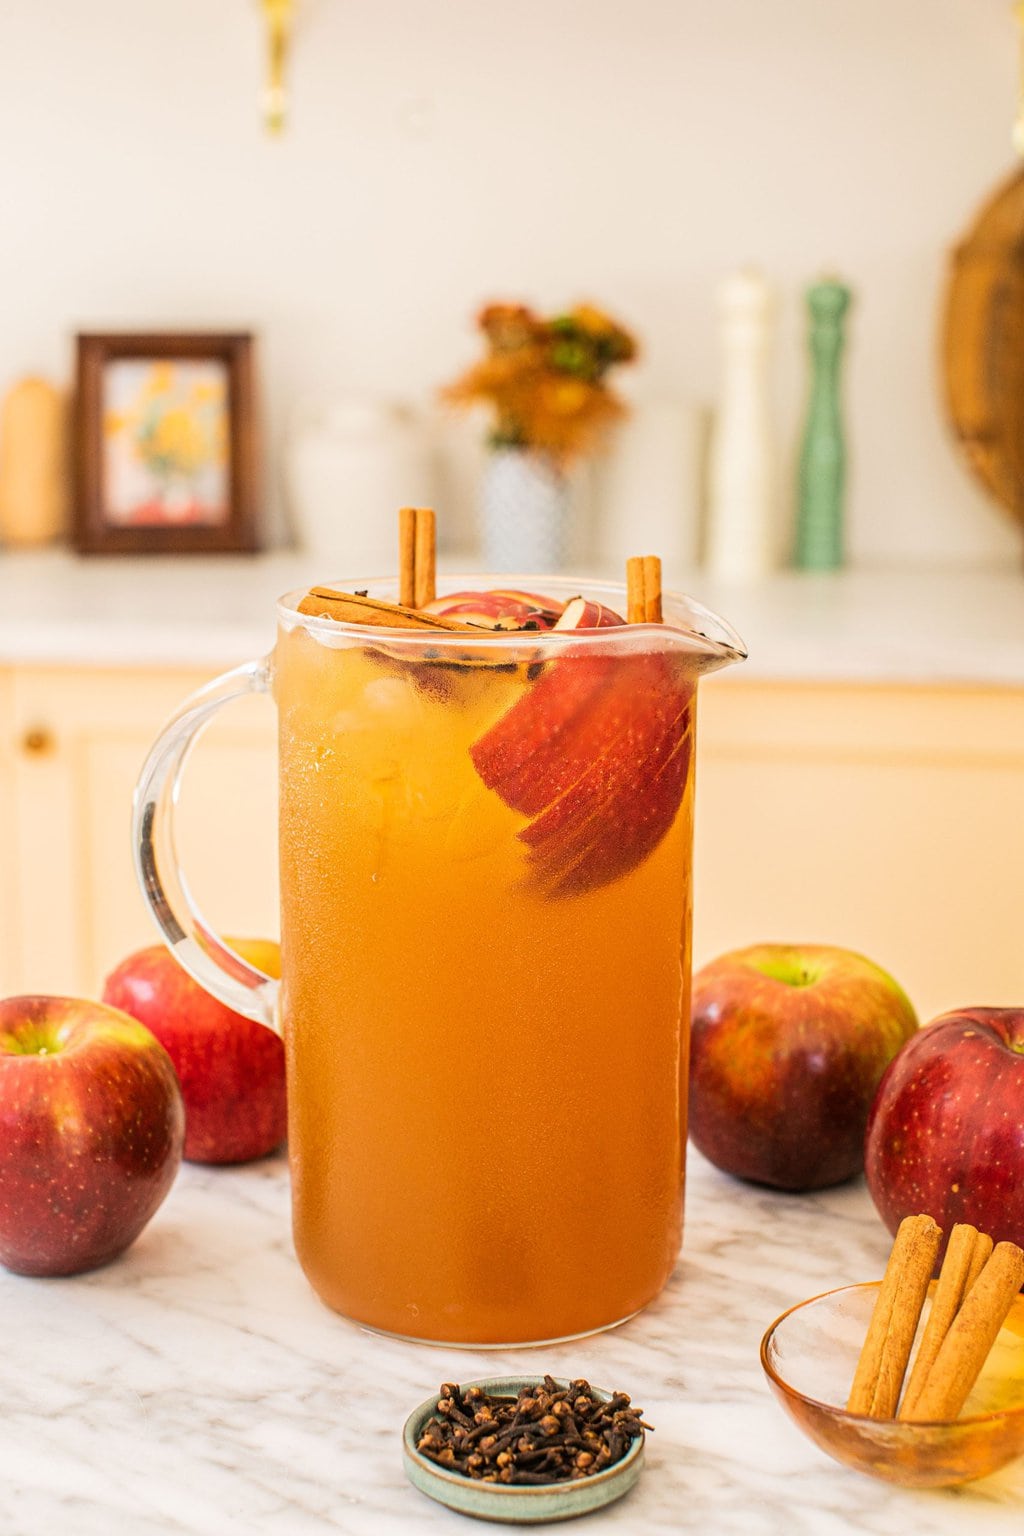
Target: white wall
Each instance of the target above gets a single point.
(444, 153)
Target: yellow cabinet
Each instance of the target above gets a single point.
(9, 920)
(886, 819)
(80, 739)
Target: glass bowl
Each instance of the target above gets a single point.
(809, 1355)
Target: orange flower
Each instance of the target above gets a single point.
(544, 380)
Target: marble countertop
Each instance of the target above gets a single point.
(884, 626)
(197, 1387)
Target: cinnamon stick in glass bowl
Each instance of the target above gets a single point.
(972, 1333)
(883, 1361)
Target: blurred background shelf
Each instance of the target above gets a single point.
(879, 625)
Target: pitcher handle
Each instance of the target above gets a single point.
(193, 942)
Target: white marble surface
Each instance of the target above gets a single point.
(874, 626)
(197, 1386)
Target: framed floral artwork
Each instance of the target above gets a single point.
(166, 444)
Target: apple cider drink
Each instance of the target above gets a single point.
(485, 865)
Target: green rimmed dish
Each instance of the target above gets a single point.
(515, 1505)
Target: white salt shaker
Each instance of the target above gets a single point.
(742, 485)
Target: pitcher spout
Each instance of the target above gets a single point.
(706, 638)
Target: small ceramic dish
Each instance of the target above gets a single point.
(515, 1505)
(809, 1355)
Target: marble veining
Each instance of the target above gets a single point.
(197, 1386)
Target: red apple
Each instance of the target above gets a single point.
(231, 1069)
(946, 1131)
(91, 1132)
(596, 754)
(789, 1044)
(501, 608)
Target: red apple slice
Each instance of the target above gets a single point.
(626, 800)
(596, 754)
(581, 613)
(502, 608)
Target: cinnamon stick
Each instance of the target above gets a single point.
(643, 590)
(979, 1258)
(966, 1253)
(652, 589)
(351, 608)
(970, 1338)
(417, 561)
(425, 582)
(883, 1359)
(407, 557)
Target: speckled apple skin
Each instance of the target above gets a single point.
(90, 1136)
(782, 1076)
(946, 1131)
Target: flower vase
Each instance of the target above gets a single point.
(524, 512)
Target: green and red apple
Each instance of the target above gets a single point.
(788, 1047)
(231, 1069)
(946, 1130)
(91, 1133)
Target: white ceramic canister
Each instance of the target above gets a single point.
(350, 462)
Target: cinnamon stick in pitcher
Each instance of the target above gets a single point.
(425, 577)
(652, 589)
(407, 557)
(643, 589)
(353, 608)
(966, 1253)
(417, 566)
(883, 1360)
(417, 562)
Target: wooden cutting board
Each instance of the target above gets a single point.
(983, 346)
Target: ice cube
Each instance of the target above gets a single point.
(391, 696)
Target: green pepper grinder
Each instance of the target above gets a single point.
(819, 527)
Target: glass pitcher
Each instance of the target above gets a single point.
(485, 852)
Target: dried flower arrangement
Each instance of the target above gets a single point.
(544, 379)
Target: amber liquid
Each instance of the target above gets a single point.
(487, 1091)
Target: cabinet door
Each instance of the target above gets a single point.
(887, 820)
(81, 909)
(9, 972)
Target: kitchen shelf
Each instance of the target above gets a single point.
(885, 626)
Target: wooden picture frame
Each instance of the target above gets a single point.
(166, 443)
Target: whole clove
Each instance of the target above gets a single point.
(548, 1434)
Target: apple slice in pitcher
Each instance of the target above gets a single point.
(501, 608)
(596, 754)
(441, 677)
(581, 613)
